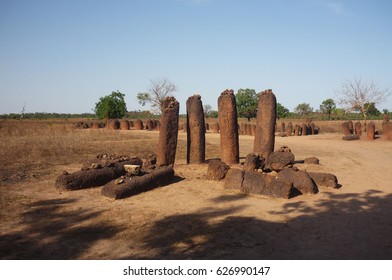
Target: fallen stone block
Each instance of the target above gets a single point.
(253, 162)
(135, 185)
(301, 180)
(350, 137)
(276, 161)
(90, 178)
(324, 180)
(312, 160)
(216, 170)
(234, 179)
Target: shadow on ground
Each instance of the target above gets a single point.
(50, 232)
(339, 226)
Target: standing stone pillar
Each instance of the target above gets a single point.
(346, 129)
(304, 129)
(227, 112)
(264, 142)
(282, 127)
(312, 127)
(371, 131)
(168, 133)
(385, 124)
(297, 130)
(289, 129)
(215, 127)
(358, 129)
(351, 126)
(196, 138)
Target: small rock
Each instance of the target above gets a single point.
(312, 160)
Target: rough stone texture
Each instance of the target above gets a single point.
(215, 127)
(207, 126)
(346, 129)
(138, 184)
(234, 179)
(253, 129)
(196, 139)
(297, 130)
(289, 129)
(95, 125)
(216, 170)
(124, 125)
(168, 133)
(304, 129)
(112, 124)
(258, 184)
(264, 142)
(324, 180)
(95, 177)
(350, 137)
(138, 124)
(301, 180)
(312, 160)
(312, 128)
(253, 162)
(389, 131)
(358, 129)
(283, 127)
(351, 126)
(229, 142)
(149, 124)
(157, 125)
(371, 131)
(279, 160)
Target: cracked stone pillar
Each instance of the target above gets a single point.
(264, 142)
(196, 139)
(228, 125)
(168, 133)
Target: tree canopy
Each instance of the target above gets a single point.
(327, 107)
(156, 94)
(281, 111)
(246, 100)
(303, 109)
(111, 106)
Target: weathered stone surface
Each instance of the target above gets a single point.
(371, 131)
(279, 160)
(135, 185)
(229, 142)
(149, 124)
(215, 127)
(124, 124)
(196, 139)
(254, 183)
(234, 179)
(216, 170)
(138, 124)
(351, 126)
(253, 162)
(312, 127)
(350, 137)
(358, 129)
(264, 142)
(301, 180)
(346, 129)
(289, 129)
(283, 127)
(297, 130)
(113, 124)
(207, 126)
(304, 129)
(324, 180)
(93, 177)
(168, 133)
(312, 160)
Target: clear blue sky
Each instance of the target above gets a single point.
(61, 56)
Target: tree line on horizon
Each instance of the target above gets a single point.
(358, 97)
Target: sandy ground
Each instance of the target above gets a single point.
(197, 219)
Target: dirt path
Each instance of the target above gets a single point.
(196, 219)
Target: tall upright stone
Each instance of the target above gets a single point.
(264, 142)
(228, 125)
(371, 131)
(168, 133)
(196, 139)
(283, 127)
(289, 129)
(358, 128)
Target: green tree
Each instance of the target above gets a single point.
(281, 111)
(111, 106)
(159, 90)
(372, 110)
(246, 100)
(303, 109)
(327, 107)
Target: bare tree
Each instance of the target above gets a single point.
(358, 95)
(22, 112)
(156, 94)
